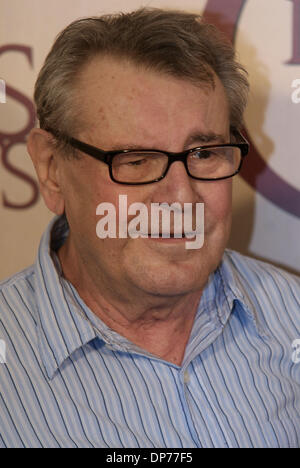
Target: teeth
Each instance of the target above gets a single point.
(167, 235)
(172, 234)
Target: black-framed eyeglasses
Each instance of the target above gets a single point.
(146, 166)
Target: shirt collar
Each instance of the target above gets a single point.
(234, 290)
(65, 323)
(61, 330)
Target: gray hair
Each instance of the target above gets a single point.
(173, 42)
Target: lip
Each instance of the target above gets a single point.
(168, 235)
(182, 237)
(167, 239)
(171, 240)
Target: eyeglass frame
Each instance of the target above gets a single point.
(107, 156)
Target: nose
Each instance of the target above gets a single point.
(177, 185)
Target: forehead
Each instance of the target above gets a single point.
(122, 102)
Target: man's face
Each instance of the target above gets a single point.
(123, 106)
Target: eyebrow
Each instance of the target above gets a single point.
(196, 138)
(207, 138)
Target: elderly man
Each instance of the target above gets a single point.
(138, 341)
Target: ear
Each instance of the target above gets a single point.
(45, 162)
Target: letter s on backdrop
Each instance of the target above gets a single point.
(8, 140)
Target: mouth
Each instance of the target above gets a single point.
(166, 235)
(171, 237)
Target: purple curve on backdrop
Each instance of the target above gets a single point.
(257, 172)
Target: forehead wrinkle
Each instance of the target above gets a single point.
(111, 131)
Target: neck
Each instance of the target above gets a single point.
(160, 325)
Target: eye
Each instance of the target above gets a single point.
(130, 159)
(136, 162)
(202, 154)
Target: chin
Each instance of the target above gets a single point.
(170, 272)
(171, 278)
(168, 288)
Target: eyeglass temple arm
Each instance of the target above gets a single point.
(240, 139)
(81, 146)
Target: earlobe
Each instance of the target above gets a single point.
(44, 160)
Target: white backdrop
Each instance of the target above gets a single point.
(266, 34)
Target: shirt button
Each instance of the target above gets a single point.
(186, 377)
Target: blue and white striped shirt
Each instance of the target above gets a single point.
(67, 380)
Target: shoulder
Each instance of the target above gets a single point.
(17, 280)
(261, 274)
(271, 293)
(17, 296)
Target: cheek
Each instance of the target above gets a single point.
(84, 196)
(218, 202)
(80, 195)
